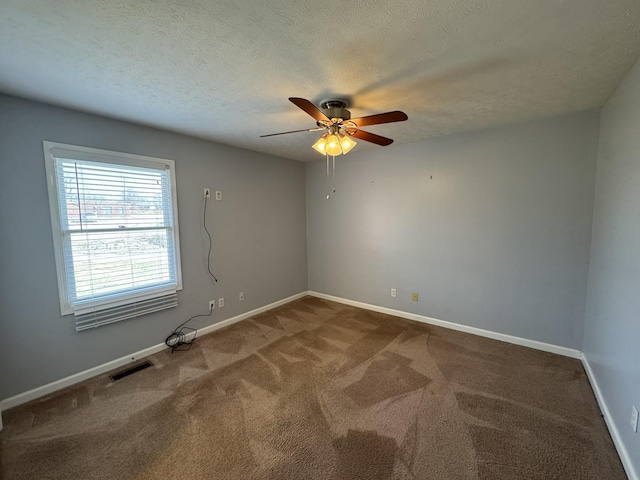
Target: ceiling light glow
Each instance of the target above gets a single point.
(334, 144)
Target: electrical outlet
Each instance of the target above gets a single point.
(218, 195)
(220, 302)
(634, 418)
(414, 296)
(212, 305)
(241, 296)
(207, 193)
(393, 292)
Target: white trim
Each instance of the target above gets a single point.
(106, 367)
(53, 151)
(525, 342)
(625, 458)
(52, 387)
(243, 316)
(569, 352)
(54, 211)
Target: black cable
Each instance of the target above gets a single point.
(204, 224)
(178, 337)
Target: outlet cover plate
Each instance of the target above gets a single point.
(634, 418)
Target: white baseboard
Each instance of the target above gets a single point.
(71, 380)
(242, 316)
(106, 367)
(52, 387)
(625, 458)
(546, 347)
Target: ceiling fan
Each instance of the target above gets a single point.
(340, 129)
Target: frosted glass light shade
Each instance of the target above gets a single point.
(333, 145)
(321, 145)
(347, 143)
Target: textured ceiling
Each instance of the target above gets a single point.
(223, 70)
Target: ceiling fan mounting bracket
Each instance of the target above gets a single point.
(334, 102)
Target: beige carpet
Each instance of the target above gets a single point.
(320, 390)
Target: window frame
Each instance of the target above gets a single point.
(89, 154)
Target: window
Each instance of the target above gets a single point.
(115, 232)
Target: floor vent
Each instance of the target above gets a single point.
(130, 370)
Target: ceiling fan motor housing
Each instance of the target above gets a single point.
(335, 109)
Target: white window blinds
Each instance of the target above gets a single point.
(115, 232)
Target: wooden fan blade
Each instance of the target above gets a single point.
(389, 117)
(371, 137)
(317, 129)
(310, 108)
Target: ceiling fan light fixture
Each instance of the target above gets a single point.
(321, 145)
(334, 144)
(347, 143)
(333, 147)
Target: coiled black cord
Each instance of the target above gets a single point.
(178, 338)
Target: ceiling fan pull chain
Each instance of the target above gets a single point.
(328, 195)
(333, 181)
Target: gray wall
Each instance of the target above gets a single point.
(491, 228)
(258, 231)
(498, 239)
(612, 325)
